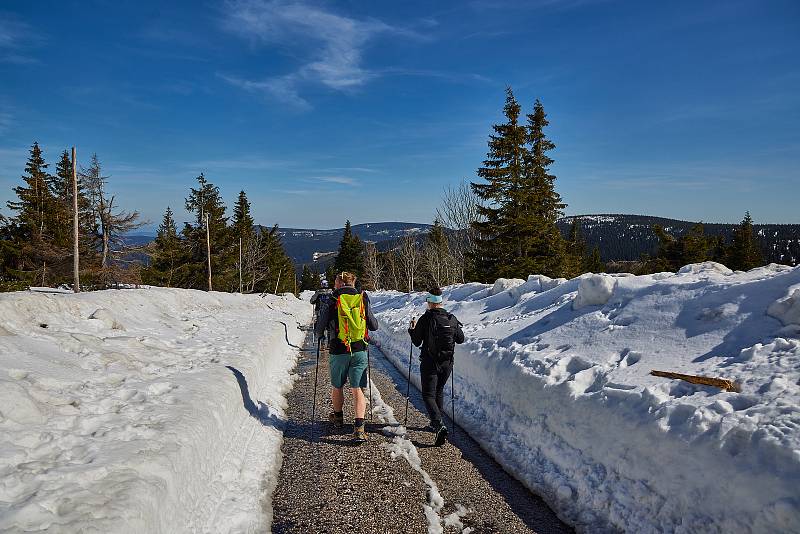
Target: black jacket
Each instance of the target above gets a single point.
(317, 294)
(421, 334)
(328, 320)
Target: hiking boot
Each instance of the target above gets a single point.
(441, 436)
(360, 433)
(336, 419)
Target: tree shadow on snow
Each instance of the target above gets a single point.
(745, 317)
(286, 335)
(262, 412)
(560, 316)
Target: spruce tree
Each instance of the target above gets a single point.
(696, 247)
(330, 274)
(593, 263)
(204, 200)
(61, 189)
(166, 254)
(351, 253)
(497, 243)
(543, 245)
(668, 256)
(242, 222)
(518, 234)
(34, 255)
(34, 197)
(673, 253)
(243, 233)
(744, 253)
(275, 268)
(575, 253)
(308, 280)
(719, 249)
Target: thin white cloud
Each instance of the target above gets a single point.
(331, 45)
(531, 4)
(355, 169)
(340, 180)
(282, 89)
(244, 163)
(6, 120)
(15, 38)
(298, 191)
(454, 77)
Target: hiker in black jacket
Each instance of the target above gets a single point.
(437, 331)
(321, 299)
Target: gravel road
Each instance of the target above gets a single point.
(397, 481)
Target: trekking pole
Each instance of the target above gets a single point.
(314, 402)
(408, 387)
(453, 396)
(369, 379)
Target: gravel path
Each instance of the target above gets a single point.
(396, 482)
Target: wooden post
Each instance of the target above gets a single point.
(722, 383)
(240, 265)
(208, 250)
(76, 283)
(278, 281)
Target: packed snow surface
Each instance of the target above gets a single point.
(150, 410)
(560, 393)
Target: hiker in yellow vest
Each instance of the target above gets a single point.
(348, 319)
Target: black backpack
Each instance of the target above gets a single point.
(324, 300)
(442, 333)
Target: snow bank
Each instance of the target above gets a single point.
(506, 284)
(706, 267)
(562, 397)
(593, 290)
(152, 410)
(787, 309)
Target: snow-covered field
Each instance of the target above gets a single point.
(554, 382)
(150, 410)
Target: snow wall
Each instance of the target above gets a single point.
(150, 410)
(553, 381)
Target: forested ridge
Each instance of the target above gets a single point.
(622, 237)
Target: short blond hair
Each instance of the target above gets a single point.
(347, 278)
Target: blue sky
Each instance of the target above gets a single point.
(323, 111)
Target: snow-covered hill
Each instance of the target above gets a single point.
(554, 382)
(150, 410)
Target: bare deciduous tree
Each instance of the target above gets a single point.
(373, 268)
(410, 259)
(391, 273)
(256, 256)
(458, 211)
(109, 227)
(437, 261)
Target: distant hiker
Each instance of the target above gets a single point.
(348, 319)
(438, 332)
(321, 299)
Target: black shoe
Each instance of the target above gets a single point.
(441, 436)
(360, 434)
(337, 420)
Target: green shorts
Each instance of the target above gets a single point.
(344, 366)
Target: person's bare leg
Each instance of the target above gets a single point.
(359, 402)
(337, 398)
